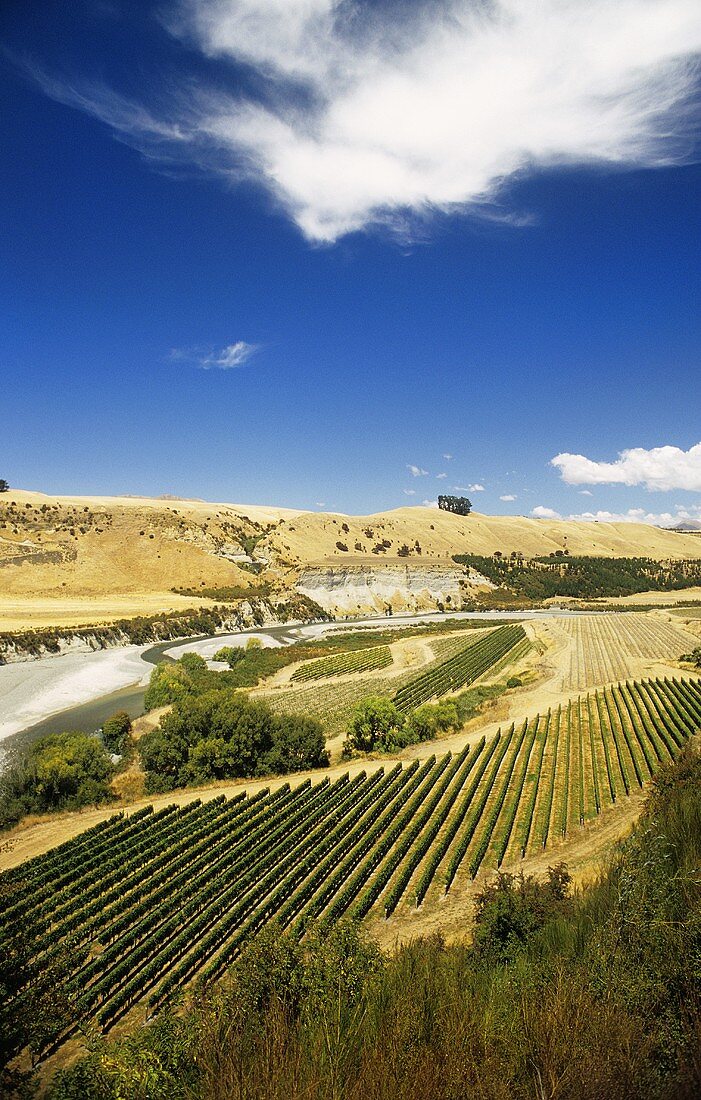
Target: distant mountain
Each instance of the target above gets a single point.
(687, 525)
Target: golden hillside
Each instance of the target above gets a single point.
(70, 560)
(312, 538)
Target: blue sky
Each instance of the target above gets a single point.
(261, 255)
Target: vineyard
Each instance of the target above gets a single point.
(333, 702)
(359, 660)
(606, 648)
(463, 668)
(157, 898)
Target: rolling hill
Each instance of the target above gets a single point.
(68, 560)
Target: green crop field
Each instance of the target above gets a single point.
(463, 668)
(152, 900)
(333, 702)
(357, 660)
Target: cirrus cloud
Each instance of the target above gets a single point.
(227, 358)
(658, 469)
(383, 114)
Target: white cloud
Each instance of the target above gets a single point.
(508, 497)
(640, 515)
(227, 358)
(540, 512)
(585, 493)
(447, 457)
(416, 471)
(362, 115)
(430, 503)
(658, 469)
(233, 355)
(439, 477)
(476, 488)
(321, 503)
(410, 492)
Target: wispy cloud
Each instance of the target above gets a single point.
(410, 492)
(476, 488)
(658, 469)
(447, 457)
(416, 471)
(541, 512)
(439, 477)
(366, 115)
(227, 358)
(507, 498)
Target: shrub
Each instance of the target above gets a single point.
(115, 731)
(374, 722)
(62, 771)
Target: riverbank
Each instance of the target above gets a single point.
(80, 690)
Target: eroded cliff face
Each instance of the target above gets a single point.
(354, 589)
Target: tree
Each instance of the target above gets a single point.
(222, 734)
(432, 719)
(57, 772)
(459, 506)
(230, 655)
(298, 743)
(4, 485)
(115, 731)
(374, 721)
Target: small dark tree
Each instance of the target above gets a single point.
(4, 485)
(459, 506)
(115, 731)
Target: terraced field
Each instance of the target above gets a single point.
(156, 899)
(609, 647)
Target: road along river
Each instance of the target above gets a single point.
(78, 691)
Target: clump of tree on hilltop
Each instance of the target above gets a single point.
(459, 506)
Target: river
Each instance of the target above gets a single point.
(78, 691)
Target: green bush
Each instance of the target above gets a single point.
(63, 771)
(115, 731)
(221, 734)
(230, 655)
(375, 723)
